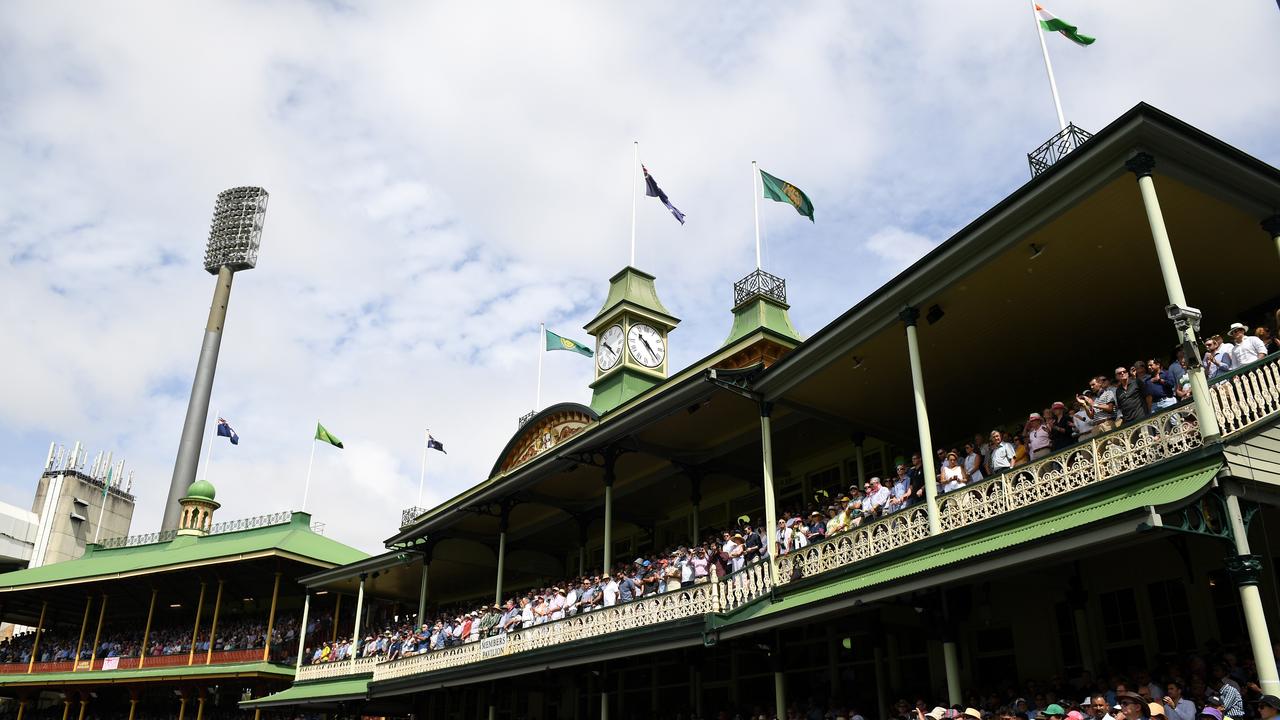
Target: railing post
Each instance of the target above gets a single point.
(714, 582)
(1141, 166)
(909, 317)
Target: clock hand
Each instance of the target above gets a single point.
(649, 348)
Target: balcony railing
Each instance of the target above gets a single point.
(324, 671)
(219, 657)
(278, 518)
(1241, 400)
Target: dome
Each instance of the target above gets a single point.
(202, 489)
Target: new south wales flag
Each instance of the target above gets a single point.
(555, 342)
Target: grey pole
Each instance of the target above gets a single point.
(234, 237)
(184, 468)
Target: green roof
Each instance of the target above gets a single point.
(762, 312)
(146, 673)
(320, 691)
(293, 538)
(1157, 491)
(634, 289)
(202, 489)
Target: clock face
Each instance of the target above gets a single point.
(646, 345)
(610, 347)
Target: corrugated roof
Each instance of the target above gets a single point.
(1158, 491)
(294, 538)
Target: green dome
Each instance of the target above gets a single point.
(202, 489)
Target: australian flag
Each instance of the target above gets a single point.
(434, 444)
(652, 190)
(224, 430)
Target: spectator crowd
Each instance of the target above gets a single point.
(59, 645)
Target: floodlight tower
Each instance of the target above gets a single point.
(234, 238)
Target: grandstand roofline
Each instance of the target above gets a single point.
(293, 539)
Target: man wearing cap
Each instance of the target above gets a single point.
(1052, 711)
(1132, 706)
(1245, 348)
(1268, 707)
(1039, 441)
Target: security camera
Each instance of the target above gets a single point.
(1183, 317)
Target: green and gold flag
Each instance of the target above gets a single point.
(783, 191)
(326, 436)
(555, 342)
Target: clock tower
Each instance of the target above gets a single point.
(631, 340)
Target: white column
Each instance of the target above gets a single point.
(502, 559)
(952, 665)
(302, 632)
(1244, 568)
(355, 630)
(770, 535)
(1141, 166)
(422, 589)
(909, 318)
(608, 516)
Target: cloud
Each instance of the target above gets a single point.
(445, 176)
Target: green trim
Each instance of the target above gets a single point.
(762, 313)
(293, 538)
(173, 672)
(317, 691)
(1116, 501)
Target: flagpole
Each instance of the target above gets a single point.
(755, 200)
(635, 169)
(422, 476)
(1048, 66)
(542, 350)
(306, 489)
(208, 458)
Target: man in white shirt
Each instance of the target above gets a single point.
(1002, 453)
(610, 590)
(877, 497)
(1245, 348)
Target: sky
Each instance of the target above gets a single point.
(445, 176)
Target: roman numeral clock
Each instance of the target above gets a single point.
(631, 340)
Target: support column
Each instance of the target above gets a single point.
(271, 619)
(213, 625)
(337, 608)
(860, 439)
(604, 692)
(355, 630)
(146, 633)
(909, 317)
(22, 708)
(770, 502)
(1244, 569)
(97, 635)
(133, 702)
(182, 706)
(422, 588)
(302, 632)
(195, 631)
(35, 645)
(610, 459)
(84, 625)
(1141, 165)
(502, 554)
(882, 692)
(84, 706)
(952, 666)
(66, 706)
(1272, 226)
(200, 705)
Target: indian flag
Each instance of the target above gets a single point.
(1049, 23)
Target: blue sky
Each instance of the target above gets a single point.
(444, 177)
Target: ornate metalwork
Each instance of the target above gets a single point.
(143, 539)
(686, 602)
(324, 671)
(1244, 569)
(760, 283)
(525, 418)
(409, 514)
(236, 231)
(279, 518)
(1056, 148)
(1246, 396)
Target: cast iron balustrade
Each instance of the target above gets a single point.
(525, 418)
(1056, 148)
(279, 518)
(143, 539)
(760, 283)
(409, 514)
(324, 671)
(1241, 400)
(219, 657)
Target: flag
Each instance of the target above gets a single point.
(783, 191)
(1049, 23)
(555, 342)
(652, 190)
(434, 444)
(224, 430)
(326, 436)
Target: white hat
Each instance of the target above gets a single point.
(1237, 326)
